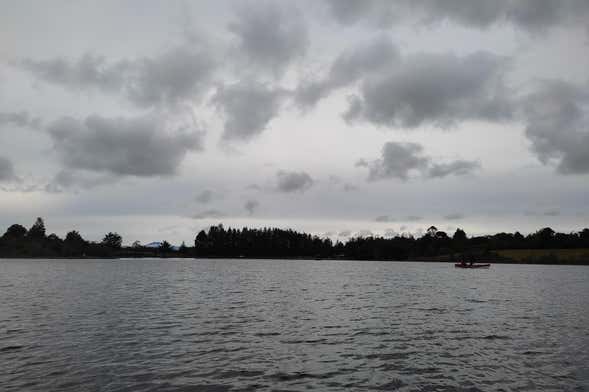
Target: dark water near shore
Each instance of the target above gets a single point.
(237, 325)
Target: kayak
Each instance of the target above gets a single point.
(460, 265)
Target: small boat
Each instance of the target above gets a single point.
(461, 265)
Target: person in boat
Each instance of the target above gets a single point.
(470, 261)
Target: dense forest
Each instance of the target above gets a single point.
(543, 246)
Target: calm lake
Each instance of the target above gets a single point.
(237, 325)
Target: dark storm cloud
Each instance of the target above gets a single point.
(204, 197)
(441, 89)
(209, 214)
(454, 216)
(270, 35)
(174, 76)
(7, 173)
(557, 115)
(289, 181)
(248, 107)
(530, 15)
(137, 146)
(20, 119)
(351, 65)
(401, 160)
(251, 206)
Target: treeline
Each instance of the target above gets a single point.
(17, 241)
(435, 245)
(218, 241)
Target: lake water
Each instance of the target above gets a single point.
(245, 325)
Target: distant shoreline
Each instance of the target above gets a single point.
(429, 260)
(544, 246)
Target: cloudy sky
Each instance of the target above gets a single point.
(337, 117)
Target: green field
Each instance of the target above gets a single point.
(546, 255)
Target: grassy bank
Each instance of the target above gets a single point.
(546, 256)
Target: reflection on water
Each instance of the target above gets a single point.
(237, 325)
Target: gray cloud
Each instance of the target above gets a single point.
(552, 212)
(253, 187)
(412, 218)
(557, 114)
(89, 71)
(401, 160)
(270, 35)
(441, 89)
(361, 163)
(7, 173)
(248, 108)
(529, 15)
(384, 218)
(251, 206)
(66, 180)
(454, 216)
(457, 168)
(204, 197)
(377, 12)
(137, 146)
(20, 119)
(350, 188)
(289, 181)
(209, 214)
(351, 65)
(174, 76)
(334, 180)
(398, 161)
(178, 74)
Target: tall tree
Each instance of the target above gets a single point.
(37, 231)
(15, 231)
(113, 240)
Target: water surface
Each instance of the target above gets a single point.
(245, 325)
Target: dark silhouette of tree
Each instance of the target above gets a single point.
(183, 249)
(37, 231)
(15, 232)
(54, 244)
(165, 247)
(112, 240)
(74, 244)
